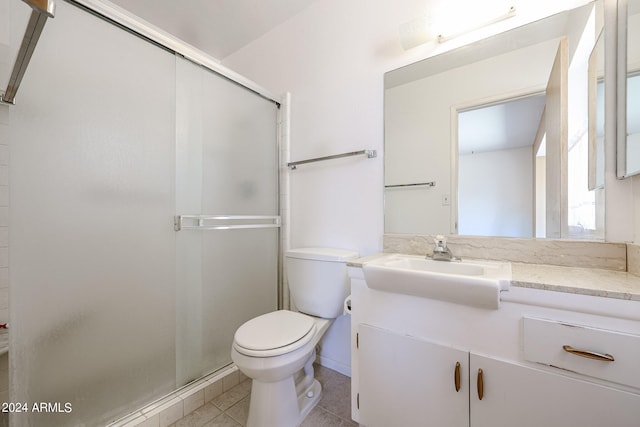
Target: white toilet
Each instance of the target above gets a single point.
(277, 350)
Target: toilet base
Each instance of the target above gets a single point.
(269, 403)
(306, 403)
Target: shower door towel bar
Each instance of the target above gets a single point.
(224, 222)
(369, 153)
(42, 9)
(417, 184)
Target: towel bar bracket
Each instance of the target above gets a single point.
(41, 11)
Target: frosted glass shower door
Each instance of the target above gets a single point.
(227, 166)
(92, 244)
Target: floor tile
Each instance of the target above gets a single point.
(231, 408)
(318, 417)
(229, 398)
(336, 392)
(223, 420)
(200, 416)
(240, 411)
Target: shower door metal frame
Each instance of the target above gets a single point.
(127, 21)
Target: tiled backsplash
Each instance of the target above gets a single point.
(570, 253)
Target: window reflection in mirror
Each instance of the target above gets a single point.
(585, 205)
(596, 115)
(633, 123)
(633, 88)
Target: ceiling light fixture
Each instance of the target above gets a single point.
(510, 14)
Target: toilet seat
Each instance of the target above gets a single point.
(274, 333)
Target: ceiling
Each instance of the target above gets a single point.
(217, 27)
(501, 126)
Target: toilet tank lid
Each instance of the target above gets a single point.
(322, 254)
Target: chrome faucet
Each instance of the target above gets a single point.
(441, 252)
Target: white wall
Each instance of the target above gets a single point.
(332, 57)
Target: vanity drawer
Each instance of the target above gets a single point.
(584, 350)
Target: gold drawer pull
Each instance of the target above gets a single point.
(456, 376)
(588, 354)
(480, 384)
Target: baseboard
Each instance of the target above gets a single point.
(334, 365)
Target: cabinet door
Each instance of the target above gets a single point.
(521, 396)
(410, 382)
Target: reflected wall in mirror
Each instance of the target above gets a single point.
(495, 172)
(629, 81)
(430, 107)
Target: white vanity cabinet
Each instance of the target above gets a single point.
(405, 351)
(516, 395)
(405, 381)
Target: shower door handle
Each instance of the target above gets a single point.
(224, 222)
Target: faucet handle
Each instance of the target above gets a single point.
(440, 241)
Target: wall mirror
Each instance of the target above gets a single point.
(491, 139)
(628, 162)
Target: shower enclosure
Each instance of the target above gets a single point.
(144, 221)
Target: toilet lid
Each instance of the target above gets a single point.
(273, 330)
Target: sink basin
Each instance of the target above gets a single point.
(445, 267)
(470, 282)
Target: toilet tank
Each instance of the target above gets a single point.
(318, 280)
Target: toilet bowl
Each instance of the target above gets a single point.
(277, 350)
(276, 397)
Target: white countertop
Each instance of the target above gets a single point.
(584, 281)
(577, 280)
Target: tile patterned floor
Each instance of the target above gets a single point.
(232, 408)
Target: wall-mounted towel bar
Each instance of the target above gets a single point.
(369, 153)
(417, 184)
(224, 222)
(42, 9)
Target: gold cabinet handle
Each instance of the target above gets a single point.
(456, 376)
(588, 354)
(480, 385)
